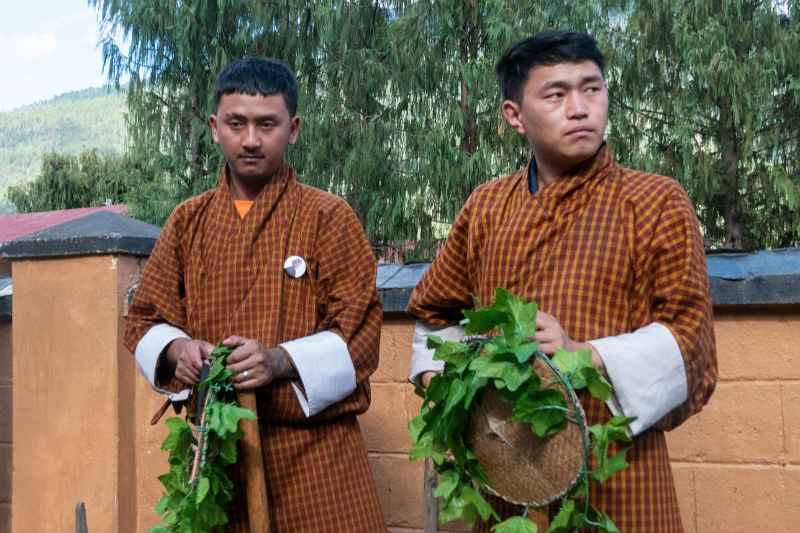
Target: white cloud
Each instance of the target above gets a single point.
(91, 36)
(22, 48)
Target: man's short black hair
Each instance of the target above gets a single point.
(253, 75)
(545, 48)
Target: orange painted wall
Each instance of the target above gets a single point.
(83, 411)
(71, 395)
(5, 427)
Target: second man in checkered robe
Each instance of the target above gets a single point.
(613, 256)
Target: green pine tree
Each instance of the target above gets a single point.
(708, 91)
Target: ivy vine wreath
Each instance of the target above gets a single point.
(504, 418)
(197, 488)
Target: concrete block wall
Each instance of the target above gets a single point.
(5, 427)
(385, 430)
(737, 463)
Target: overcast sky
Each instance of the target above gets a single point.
(47, 47)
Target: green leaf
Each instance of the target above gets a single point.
(474, 385)
(425, 447)
(228, 450)
(456, 394)
(523, 317)
(582, 373)
(567, 519)
(455, 353)
(507, 373)
(457, 508)
(525, 351)
(433, 341)
(481, 505)
(179, 437)
(437, 388)
(610, 466)
(618, 428)
(602, 522)
(448, 482)
(483, 320)
(202, 489)
(599, 387)
(416, 427)
(544, 410)
(229, 416)
(517, 524)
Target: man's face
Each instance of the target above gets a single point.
(253, 132)
(563, 113)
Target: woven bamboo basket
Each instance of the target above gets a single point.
(522, 468)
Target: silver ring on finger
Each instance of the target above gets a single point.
(245, 374)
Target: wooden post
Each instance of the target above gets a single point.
(431, 505)
(80, 518)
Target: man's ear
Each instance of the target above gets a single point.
(212, 122)
(294, 129)
(512, 113)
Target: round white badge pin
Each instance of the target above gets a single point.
(295, 266)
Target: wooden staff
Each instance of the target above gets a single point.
(255, 476)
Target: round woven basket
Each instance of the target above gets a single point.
(522, 468)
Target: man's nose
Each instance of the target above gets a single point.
(576, 105)
(251, 139)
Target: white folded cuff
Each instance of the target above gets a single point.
(422, 357)
(149, 349)
(326, 370)
(647, 371)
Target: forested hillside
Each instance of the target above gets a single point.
(69, 124)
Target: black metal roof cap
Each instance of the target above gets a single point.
(102, 232)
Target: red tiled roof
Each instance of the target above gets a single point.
(15, 226)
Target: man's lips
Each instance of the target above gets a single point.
(251, 157)
(582, 130)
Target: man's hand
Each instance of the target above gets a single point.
(254, 365)
(426, 377)
(187, 356)
(551, 336)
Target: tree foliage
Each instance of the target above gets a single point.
(398, 98)
(400, 106)
(708, 91)
(69, 181)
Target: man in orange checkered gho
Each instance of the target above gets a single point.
(613, 256)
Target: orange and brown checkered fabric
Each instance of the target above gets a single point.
(213, 274)
(606, 250)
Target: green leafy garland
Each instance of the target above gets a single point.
(198, 504)
(504, 362)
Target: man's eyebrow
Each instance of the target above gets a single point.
(243, 118)
(561, 84)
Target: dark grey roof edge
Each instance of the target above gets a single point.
(102, 232)
(95, 245)
(5, 308)
(769, 290)
(773, 285)
(394, 300)
(759, 290)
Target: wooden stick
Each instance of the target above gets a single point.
(255, 476)
(80, 518)
(201, 441)
(431, 505)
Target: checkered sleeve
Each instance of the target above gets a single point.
(681, 300)
(445, 288)
(159, 297)
(348, 297)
